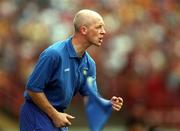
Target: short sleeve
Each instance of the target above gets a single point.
(41, 73)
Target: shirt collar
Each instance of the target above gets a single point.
(71, 51)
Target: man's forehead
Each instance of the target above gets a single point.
(99, 21)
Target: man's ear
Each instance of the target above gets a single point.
(83, 30)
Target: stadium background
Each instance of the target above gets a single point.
(139, 60)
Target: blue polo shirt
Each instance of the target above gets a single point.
(60, 74)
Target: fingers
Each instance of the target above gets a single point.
(62, 120)
(117, 103)
(69, 116)
(67, 122)
(116, 107)
(117, 99)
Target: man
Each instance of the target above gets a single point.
(60, 73)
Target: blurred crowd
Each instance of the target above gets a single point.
(139, 60)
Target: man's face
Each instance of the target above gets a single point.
(96, 32)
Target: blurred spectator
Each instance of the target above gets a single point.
(136, 118)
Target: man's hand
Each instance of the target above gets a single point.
(59, 119)
(62, 119)
(117, 103)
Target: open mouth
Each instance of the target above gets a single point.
(100, 40)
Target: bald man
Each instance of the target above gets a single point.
(60, 73)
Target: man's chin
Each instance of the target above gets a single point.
(98, 44)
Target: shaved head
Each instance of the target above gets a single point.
(85, 17)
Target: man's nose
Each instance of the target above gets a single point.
(103, 31)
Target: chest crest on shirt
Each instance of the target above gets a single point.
(85, 71)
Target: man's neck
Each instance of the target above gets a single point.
(79, 44)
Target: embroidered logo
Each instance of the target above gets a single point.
(85, 71)
(67, 69)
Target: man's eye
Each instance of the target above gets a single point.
(98, 27)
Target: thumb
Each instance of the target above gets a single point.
(120, 99)
(114, 98)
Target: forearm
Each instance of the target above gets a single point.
(42, 102)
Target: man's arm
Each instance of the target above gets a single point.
(117, 102)
(59, 119)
